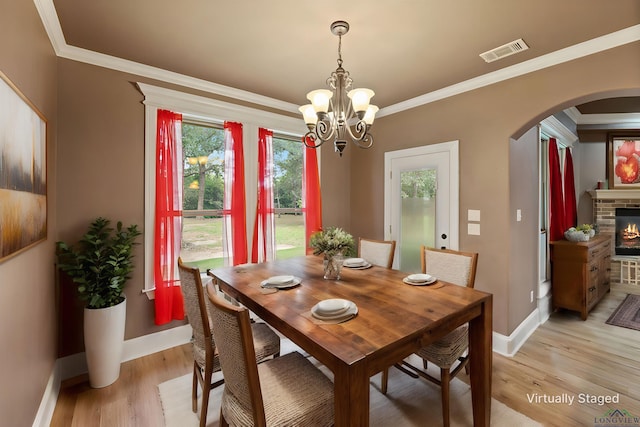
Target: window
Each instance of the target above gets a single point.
(203, 188)
(287, 194)
(202, 115)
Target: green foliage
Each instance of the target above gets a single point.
(288, 165)
(203, 150)
(418, 184)
(101, 263)
(332, 241)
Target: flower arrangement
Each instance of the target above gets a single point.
(332, 241)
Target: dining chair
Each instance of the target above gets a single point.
(205, 354)
(377, 252)
(285, 391)
(450, 351)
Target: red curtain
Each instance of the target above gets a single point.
(264, 244)
(234, 209)
(570, 209)
(312, 197)
(168, 217)
(557, 225)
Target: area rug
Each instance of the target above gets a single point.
(408, 402)
(627, 314)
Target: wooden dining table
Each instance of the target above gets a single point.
(394, 320)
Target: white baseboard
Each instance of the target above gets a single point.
(49, 399)
(76, 364)
(509, 345)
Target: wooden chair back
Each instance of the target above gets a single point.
(452, 266)
(377, 252)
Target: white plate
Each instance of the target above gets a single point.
(295, 282)
(332, 307)
(279, 280)
(355, 262)
(360, 267)
(425, 283)
(419, 277)
(351, 311)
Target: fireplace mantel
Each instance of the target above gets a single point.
(614, 194)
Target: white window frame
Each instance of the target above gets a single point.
(206, 110)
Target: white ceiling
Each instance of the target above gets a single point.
(273, 52)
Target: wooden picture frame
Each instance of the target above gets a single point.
(23, 172)
(623, 159)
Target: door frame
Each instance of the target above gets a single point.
(451, 148)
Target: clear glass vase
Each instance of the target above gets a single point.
(332, 266)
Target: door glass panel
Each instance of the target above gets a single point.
(417, 217)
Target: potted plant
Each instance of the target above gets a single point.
(100, 265)
(334, 244)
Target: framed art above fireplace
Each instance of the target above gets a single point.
(623, 160)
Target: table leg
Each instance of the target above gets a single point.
(351, 389)
(480, 361)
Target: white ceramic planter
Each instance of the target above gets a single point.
(103, 343)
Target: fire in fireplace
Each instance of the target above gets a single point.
(627, 231)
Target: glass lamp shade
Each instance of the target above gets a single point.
(370, 115)
(360, 98)
(309, 114)
(320, 99)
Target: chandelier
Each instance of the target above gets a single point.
(331, 116)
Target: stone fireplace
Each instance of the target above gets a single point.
(605, 204)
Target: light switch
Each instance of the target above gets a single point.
(473, 215)
(473, 229)
(519, 215)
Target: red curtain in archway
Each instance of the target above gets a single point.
(556, 200)
(570, 208)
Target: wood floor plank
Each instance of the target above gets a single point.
(565, 356)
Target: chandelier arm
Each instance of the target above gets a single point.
(311, 136)
(366, 141)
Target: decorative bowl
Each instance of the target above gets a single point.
(577, 236)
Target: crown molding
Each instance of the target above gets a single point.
(589, 47)
(554, 128)
(51, 23)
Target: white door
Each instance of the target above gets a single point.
(421, 201)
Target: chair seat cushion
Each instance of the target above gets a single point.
(446, 351)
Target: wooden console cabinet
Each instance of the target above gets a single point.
(581, 273)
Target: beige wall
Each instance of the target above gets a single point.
(101, 173)
(27, 289)
(483, 121)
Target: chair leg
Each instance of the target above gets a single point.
(384, 381)
(206, 388)
(445, 378)
(194, 388)
(223, 422)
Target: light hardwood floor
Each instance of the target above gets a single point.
(564, 358)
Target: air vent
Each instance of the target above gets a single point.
(515, 46)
